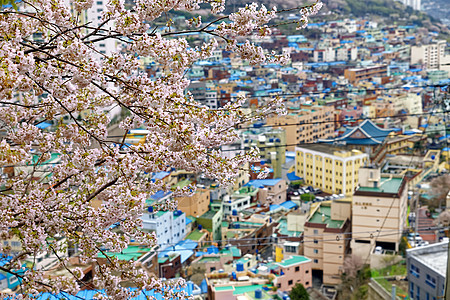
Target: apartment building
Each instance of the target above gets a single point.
(379, 211)
(196, 204)
(309, 123)
(239, 200)
(355, 75)
(431, 56)
(276, 189)
(170, 227)
(332, 169)
(271, 143)
(426, 269)
(293, 270)
(326, 238)
(415, 4)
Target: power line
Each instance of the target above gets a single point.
(226, 150)
(359, 90)
(314, 143)
(314, 122)
(392, 203)
(244, 244)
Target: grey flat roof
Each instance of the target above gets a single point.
(434, 256)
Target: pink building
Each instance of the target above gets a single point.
(296, 269)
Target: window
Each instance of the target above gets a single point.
(297, 269)
(306, 283)
(12, 280)
(316, 261)
(411, 289)
(431, 281)
(307, 271)
(290, 282)
(415, 271)
(418, 293)
(316, 251)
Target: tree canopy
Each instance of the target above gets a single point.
(68, 181)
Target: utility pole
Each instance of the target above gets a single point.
(446, 108)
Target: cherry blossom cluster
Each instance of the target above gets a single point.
(246, 20)
(308, 11)
(52, 71)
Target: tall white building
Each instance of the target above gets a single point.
(94, 17)
(431, 55)
(170, 227)
(416, 4)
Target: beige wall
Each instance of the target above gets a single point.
(296, 221)
(195, 205)
(306, 133)
(341, 210)
(277, 193)
(379, 218)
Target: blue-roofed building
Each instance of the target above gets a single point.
(276, 190)
(7, 280)
(159, 196)
(288, 205)
(292, 177)
(365, 134)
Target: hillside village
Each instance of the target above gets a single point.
(349, 171)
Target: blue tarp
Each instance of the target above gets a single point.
(258, 183)
(184, 253)
(289, 205)
(160, 175)
(43, 125)
(275, 207)
(212, 250)
(159, 195)
(204, 286)
(292, 177)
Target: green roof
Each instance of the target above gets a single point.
(248, 224)
(162, 259)
(225, 224)
(195, 235)
(209, 258)
(159, 213)
(208, 215)
(387, 185)
(247, 191)
(182, 183)
(240, 290)
(223, 288)
(325, 211)
(294, 260)
(284, 230)
(36, 157)
(234, 251)
(130, 253)
(265, 296)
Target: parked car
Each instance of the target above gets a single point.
(378, 250)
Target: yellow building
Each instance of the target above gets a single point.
(378, 212)
(309, 124)
(332, 169)
(326, 238)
